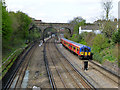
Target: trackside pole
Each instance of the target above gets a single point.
(85, 65)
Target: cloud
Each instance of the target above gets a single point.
(59, 10)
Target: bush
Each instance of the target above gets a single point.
(83, 42)
(89, 38)
(109, 58)
(75, 38)
(116, 37)
(97, 57)
(100, 42)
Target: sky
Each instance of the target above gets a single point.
(119, 10)
(61, 11)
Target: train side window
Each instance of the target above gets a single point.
(74, 48)
(77, 49)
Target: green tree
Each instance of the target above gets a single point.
(24, 22)
(107, 7)
(6, 27)
(109, 28)
(78, 21)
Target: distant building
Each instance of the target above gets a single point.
(90, 28)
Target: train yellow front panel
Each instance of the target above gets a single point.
(85, 53)
(89, 53)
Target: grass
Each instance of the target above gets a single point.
(7, 68)
(9, 52)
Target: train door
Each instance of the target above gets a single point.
(72, 48)
(82, 51)
(78, 49)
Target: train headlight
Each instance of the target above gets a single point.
(81, 53)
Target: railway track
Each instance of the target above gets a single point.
(109, 74)
(64, 73)
(96, 69)
(50, 76)
(22, 70)
(107, 70)
(15, 75)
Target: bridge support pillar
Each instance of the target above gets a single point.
(43, 39)
(42, 34)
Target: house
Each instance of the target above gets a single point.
(98, 25)
(90, 28)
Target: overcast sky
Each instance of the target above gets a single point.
(61, 10)
(119, 10)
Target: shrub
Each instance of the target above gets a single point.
(109, 58)
(83, 42)
(98, 57)
(116, 37)
(100, 42)
(89, 38)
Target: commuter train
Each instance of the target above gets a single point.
(83, 51)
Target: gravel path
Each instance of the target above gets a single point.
(38, 75)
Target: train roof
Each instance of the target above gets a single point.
(77, 44)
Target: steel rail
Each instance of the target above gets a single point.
(58, 73)
(83, 83)
(51, 80)
(108, 71)
(65, 67)
(111, 72)
(23, 69)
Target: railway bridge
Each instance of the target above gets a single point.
(57, 26)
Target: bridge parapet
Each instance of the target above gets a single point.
(56, 26)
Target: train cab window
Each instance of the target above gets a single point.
(77, 49)
(71, 46)
(82, 50)
(86, 50)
